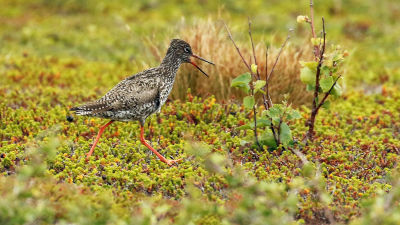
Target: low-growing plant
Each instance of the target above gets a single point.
(275, 117)
(323, 73)
(384, 207)
(358, 147)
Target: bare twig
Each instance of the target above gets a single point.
(277, 57)
(324, 35)
(257, 77)
(267, 101)
(318, 74)
(267, 77)
(316, 49)
(266, 63)
(312, 18)
(254, 50)
(237, 48)
(255, 125)
(279, 130)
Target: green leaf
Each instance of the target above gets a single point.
(263, 123)
(275, 111)
(285, 134)
(337, 90)
(293, 115)
(307, 76)
(264, 113)
(258, 85)
(337, 57)
(325, 70)
(248, 102)
(310, 87)
(242, 81)
(245, 127)
(262, 91)
(326, 83)
(260, 124)
(312, 65)
(326, 104)
(267, 138)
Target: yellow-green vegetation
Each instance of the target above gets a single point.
(57, 54)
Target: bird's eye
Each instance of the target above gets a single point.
(187, 50)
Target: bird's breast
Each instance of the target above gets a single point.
(165, 90)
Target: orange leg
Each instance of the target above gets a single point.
(162, 158)
(97, 138)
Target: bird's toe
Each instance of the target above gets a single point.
(172, 162)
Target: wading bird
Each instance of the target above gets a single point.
(142, 94)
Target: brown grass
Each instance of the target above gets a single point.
(209, 40)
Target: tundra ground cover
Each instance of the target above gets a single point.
(59, 55)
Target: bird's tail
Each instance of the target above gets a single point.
(81, 111)
(90, 108)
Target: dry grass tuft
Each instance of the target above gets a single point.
(209, 40)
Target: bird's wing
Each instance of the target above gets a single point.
(137, 90)
(133, 91)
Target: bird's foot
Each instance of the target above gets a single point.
(172, 162)
(88, 155)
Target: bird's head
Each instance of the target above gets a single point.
(183, 50)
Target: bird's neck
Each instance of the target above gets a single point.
(170, 65)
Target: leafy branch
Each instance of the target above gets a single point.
(252, 83)
(321, 75)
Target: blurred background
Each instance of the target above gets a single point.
(119, 38)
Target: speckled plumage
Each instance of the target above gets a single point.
(142, 94)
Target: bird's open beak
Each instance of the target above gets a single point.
(194, 64)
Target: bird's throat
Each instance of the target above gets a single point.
(170, 66)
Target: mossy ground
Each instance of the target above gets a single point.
(59, 54)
